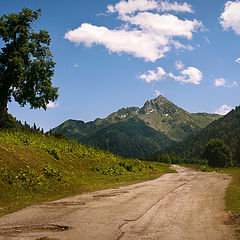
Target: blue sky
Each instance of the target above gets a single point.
(113, 54)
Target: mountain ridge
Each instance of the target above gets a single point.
(226, 128)
(166, 122)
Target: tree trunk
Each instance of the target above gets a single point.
(3, 111)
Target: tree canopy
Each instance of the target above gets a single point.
(26, 64)
(218, 154)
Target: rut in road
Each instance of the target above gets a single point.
(136, 219)
(183, 205)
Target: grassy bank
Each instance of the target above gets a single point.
(35, 168)
(233, 191)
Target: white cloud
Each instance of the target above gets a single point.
(179, 45)
(147, 35)
(223, 110)
(221, 82)
(152, 75)
(167, 6)
(166, 25)
(53, 105)
(131, 6)
(179, 65)
(237, 60)
(189, 75)
(230, 18)
(76, 65)
(135, 42)
(234, 84)
(157, 93)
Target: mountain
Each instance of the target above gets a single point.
(132, 138)
(176, 123)
(128, 138)
(226, 128)
(136, 132)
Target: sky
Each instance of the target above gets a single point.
(112, 54)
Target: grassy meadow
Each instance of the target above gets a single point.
(35, 168)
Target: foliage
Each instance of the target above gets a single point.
(226, 128)
(52, 172)
(124, 166)
(26, 65)
(218, 154)
(165, 158)
(22, 177)
(53, 152)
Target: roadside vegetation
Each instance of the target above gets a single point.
(35, 167)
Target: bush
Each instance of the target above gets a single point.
(218, 154)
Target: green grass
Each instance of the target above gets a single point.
(233, 191)
(233, 198)
(36, 168)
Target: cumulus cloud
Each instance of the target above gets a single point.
(223, 110)
(179, 45)
(166, 25)
(131, 6)
(152, 75)
(189, 75)
(134, 42)
(234, 84)
(179, 65)
(237, 60)
(147, 35)
(230, 18)
(221, 82)
(53, 105)
(176, 7)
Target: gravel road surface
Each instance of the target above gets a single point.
(177, 206)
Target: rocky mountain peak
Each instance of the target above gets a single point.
(159, 105)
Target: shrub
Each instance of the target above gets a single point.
(218, 154)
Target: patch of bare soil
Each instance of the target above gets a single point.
(234, 220)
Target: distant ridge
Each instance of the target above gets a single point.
(226, 128)
(137, 132)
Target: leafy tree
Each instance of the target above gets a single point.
(218, 154)
(26, 65)
(165, 158)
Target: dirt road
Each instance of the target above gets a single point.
(183, 205)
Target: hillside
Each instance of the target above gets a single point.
(132, 138)
(226, 128)
(36, 167)
(137, 132)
